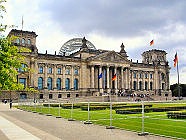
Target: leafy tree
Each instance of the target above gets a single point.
(11, 59)
(174, 89)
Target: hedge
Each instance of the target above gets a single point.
(51, 105)
(91, 108)
(132, 111)
(148, 109)
(69, 106)
(176, 114)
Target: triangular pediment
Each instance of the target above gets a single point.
(110, 56)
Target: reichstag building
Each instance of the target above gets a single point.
(79, 69)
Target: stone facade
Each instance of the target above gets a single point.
(90, 72)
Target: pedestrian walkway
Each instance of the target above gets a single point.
(13, 132)
(21, 125)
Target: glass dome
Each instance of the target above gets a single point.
(74, 45)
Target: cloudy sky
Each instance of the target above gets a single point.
(107, 24)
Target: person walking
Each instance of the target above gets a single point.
(10, 103)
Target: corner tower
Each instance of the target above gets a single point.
(154, 57)
(25, 39)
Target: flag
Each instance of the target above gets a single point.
(100, 76)
(175, 59)
(152, 42)
(114, 77)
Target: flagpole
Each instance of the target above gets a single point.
(178, 80)
(22, 23)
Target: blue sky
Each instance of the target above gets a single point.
(107, 24)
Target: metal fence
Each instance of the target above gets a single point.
(165, 118)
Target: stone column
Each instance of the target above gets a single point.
(45, 76)
(54, 79)
(127, 81)
(35, 75)
(168, 80)
(63, 83)
(148, 81)
(131, 79)
(100, 80)
(115, 82)
(122, 79)
(92, 76)
(72, 78)
(143, 79)
(137, 81)
(108, 80)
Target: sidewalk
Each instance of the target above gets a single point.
(33, 126)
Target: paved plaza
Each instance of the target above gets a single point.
(21, 125)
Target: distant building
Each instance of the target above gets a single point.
(79, 69)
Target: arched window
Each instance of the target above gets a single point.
(18, 41)
(162, 76)
(23, 41)
(75, 84)
(67, 84)
(146, 85)
(163, 86)
(58, 83)
(140, 85)
(49, 83)
(29, 41)
(40, 83)
(134, 85)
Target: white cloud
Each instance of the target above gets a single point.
(106, 24)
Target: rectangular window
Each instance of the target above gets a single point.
(58, 70)
(76, 71)
(140, 75)
(68, 95)
(22, 68)
(77, 95)
(134, 75)
(146, 75)
(49, 70)
(40, 69)
(23, 81)
(40, 96)
(151, 76)
(59, 96)
(67, 71)
(50, 96)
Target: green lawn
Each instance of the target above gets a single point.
(154, 122)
